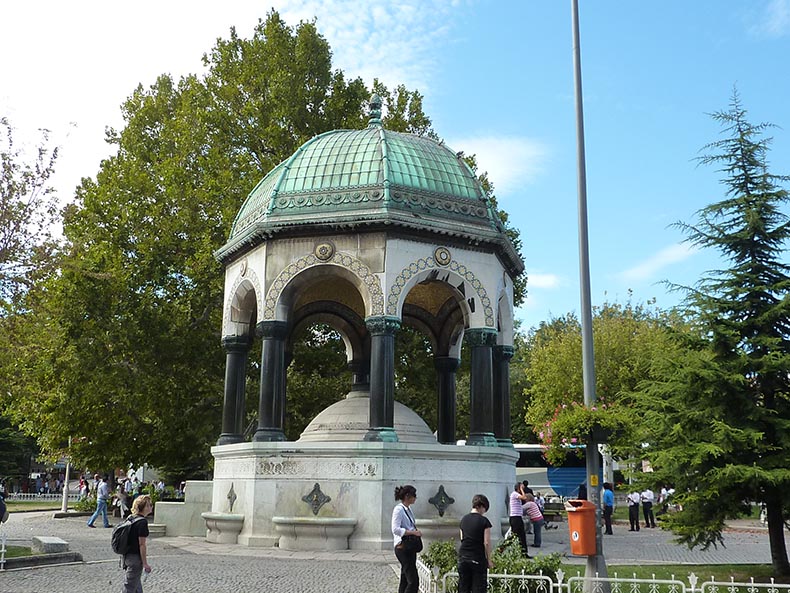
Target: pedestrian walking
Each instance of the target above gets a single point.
(102, 496)
(474, 554)
(135, 561)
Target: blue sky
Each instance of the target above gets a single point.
(497, 81)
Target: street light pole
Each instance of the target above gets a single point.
(64, 505)
(596, 564)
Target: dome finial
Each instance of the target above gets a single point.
(374, 107)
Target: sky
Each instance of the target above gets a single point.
(497, 81)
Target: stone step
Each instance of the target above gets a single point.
(49, 545)
(156, 529)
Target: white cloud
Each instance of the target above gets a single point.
(652, 265)
(774, 20)
(511, 161)
(545, 281)
(394, 42)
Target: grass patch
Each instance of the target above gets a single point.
(720, 572)
(17, 551)
(34, 505)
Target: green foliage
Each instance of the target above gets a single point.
(626, 339)
(718, 416)
(86, 504)
(441, 554)
(316, 378)
(28, 209)
(506, 558)
(123, 344)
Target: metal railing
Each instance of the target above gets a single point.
(431, 582)
(21, 496)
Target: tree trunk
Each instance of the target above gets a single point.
(776, 535)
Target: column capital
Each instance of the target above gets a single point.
(503, 353)
(481, 336)
(446, 364)
(272, 329)
(382, 325)
(236, 343)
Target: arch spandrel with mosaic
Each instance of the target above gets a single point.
(440, 260)
(326, 255)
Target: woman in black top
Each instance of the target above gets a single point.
(474, 555)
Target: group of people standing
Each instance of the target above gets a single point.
(645, 498)
(523, 503)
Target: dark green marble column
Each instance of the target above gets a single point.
(502, 356)
(271, 411)
(481, 419)
(446, 366)
(237, 349)
(382, 378)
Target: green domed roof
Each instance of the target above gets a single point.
(367, 178)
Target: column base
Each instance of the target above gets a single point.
(228, 438)
(268, 435)
(381, 435)
(482, 439)
(505, 443)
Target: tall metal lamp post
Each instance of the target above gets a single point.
(64, 506)
(596, 564)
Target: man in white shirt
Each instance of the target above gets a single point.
(647, 507)
(633, 510)
(102, 496)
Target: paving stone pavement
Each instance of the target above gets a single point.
(185, 564)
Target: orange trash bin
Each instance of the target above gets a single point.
(581, 523)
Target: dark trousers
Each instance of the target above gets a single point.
(409, 579)
(517, 527)
(472, 577)
(133, 572)
(607, 518)
(647, 511)
(633, 517)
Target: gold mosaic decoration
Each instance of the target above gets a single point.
(425, 263)
(360, 270)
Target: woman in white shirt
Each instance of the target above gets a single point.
(403, 524)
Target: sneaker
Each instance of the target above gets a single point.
(92, 526)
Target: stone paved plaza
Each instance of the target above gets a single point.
(183, 564)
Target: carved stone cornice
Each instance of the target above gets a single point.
(236, 343)
(503, 352)
(383, 325)
(446, 364)
(277, 330)
(481, 336)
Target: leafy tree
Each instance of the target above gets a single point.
(626, 339)
(123, 349)
(28, 209)
(719, 416)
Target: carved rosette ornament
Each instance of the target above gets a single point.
(442, 256)
(441, 500)
(316, 499)
(324, 251)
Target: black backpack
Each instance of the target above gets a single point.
(120, 535)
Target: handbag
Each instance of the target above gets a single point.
(411, 543)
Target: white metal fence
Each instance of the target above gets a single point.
(431, 582)
(21, 496)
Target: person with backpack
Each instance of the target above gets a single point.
(130, 540)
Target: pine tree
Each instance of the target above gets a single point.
(721, 415)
